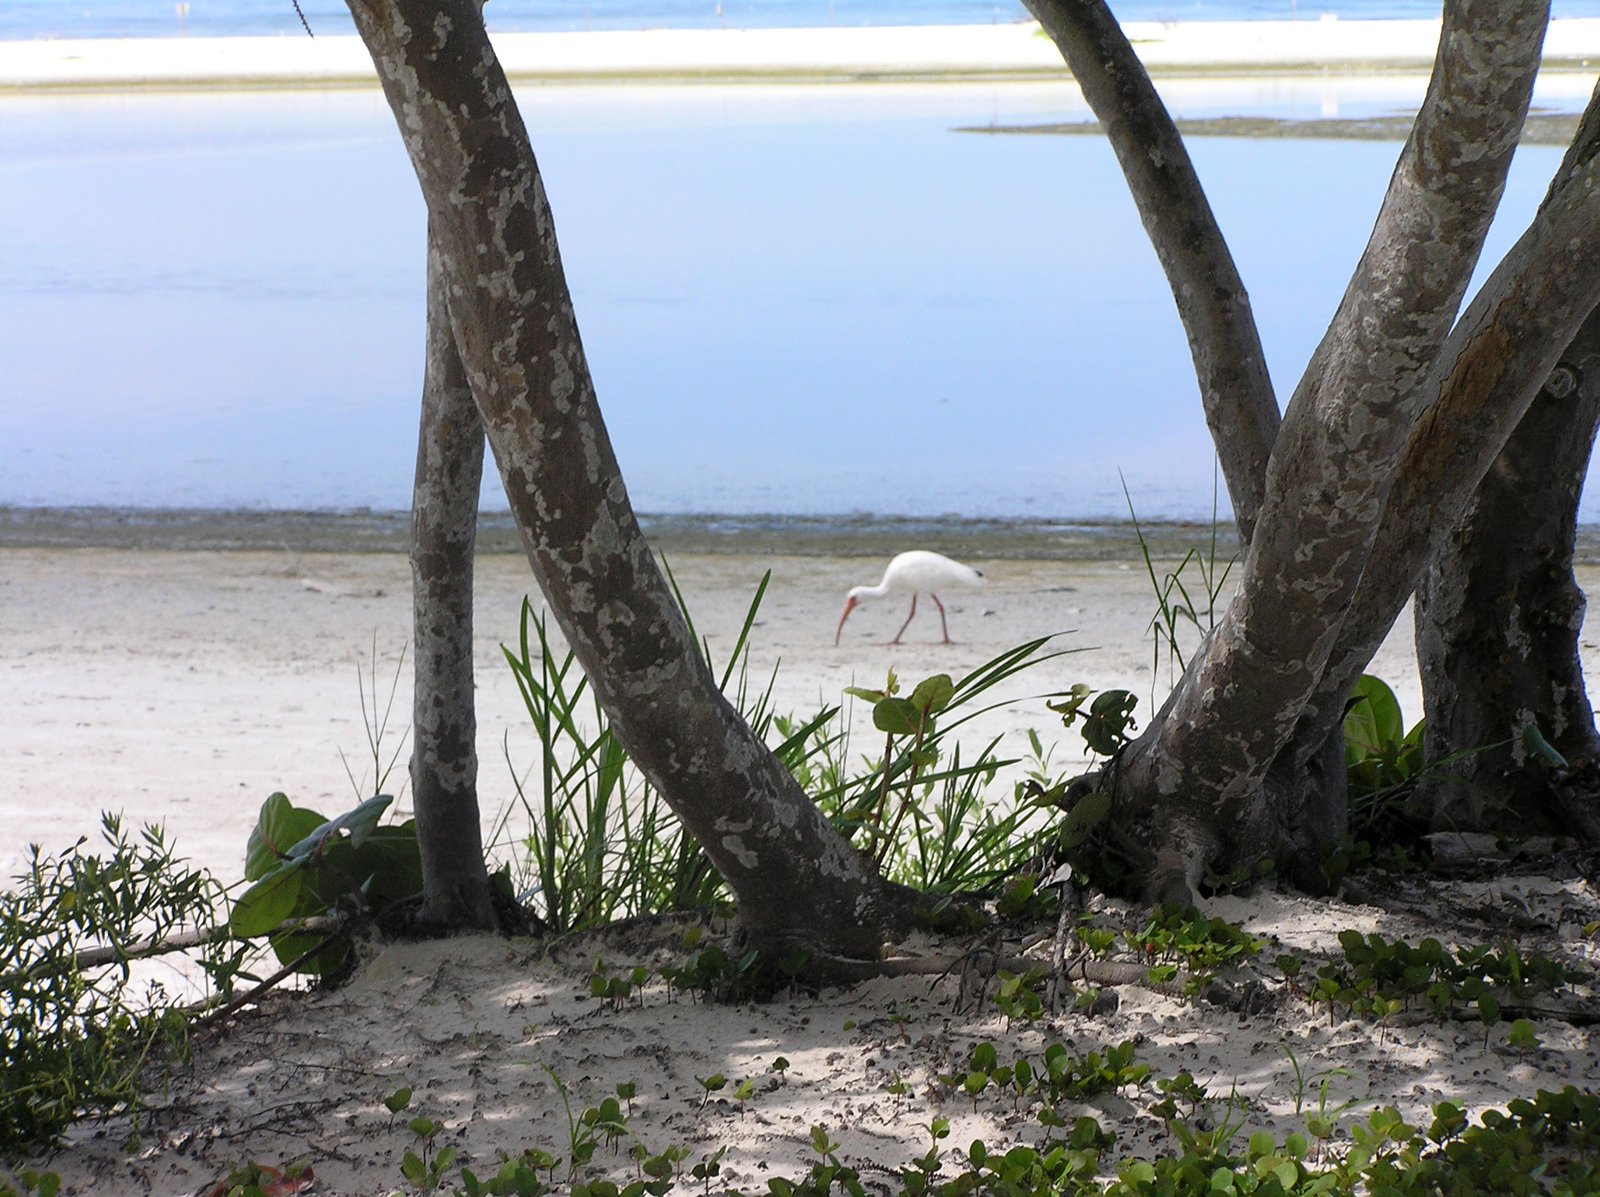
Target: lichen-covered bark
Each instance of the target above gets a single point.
(1235, 389)
(795, 878)
(1485, 381)
(444, 523)
(1193, 783)
(1498, 620)
(1511, 337)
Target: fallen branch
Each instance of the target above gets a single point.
(184, 941)
(253, 994)
(1579, 1015)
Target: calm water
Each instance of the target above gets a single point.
(795, 300)
(172, 18)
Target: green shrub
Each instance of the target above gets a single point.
(75, 1037)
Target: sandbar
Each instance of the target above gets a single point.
(864, 54)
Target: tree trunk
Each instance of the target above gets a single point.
(795, 878)
(1192, 788)
(1235, 389)
(1483, 381)
(1396, 419)
(1498, 619)
(444, 523)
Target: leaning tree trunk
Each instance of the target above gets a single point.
(1524, 316)
(1230, 366)
(1498, 621)
(1208, 783)
(444, 524)
(795, 878)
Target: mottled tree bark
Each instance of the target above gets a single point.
(1193, 790)
(1498, 619)
(444, 524)
(1235, 389)
(1485, 378)
(796, 880)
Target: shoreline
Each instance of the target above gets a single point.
(364, 531)
(861, 54)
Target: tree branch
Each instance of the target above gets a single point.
(444, 522)
(183, 941)
(1407, 288)
(1229, 364)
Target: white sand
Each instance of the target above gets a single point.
(186, 686)
(883, 53)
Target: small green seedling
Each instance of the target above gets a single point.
(424, 1169)
(709, 1167)
(1523, 1038)
(628, 1090)
(398, 1100)
(714, 1083)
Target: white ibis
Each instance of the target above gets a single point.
(915, 573)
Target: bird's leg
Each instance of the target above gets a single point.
(909, 618)
(942, 624)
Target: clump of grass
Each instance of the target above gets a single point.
(603, 844)
(1187, 596)
(376, 723)
(923, 812)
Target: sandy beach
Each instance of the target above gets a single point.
(185, 686)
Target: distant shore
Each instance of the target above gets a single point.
(862, 54)
(849, 535)
(367, 531)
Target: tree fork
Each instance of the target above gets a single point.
(1200, 774)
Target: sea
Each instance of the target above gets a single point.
(809, 307)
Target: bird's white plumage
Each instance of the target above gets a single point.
(916, 572)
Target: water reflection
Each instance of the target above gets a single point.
(807, 300)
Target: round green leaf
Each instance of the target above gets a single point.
(279, 828)
(267, 903)
(933, 694)
(897, 716)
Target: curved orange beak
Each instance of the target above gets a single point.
(849, 606)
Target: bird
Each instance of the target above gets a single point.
(916, 573)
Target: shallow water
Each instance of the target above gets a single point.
(801, 300)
